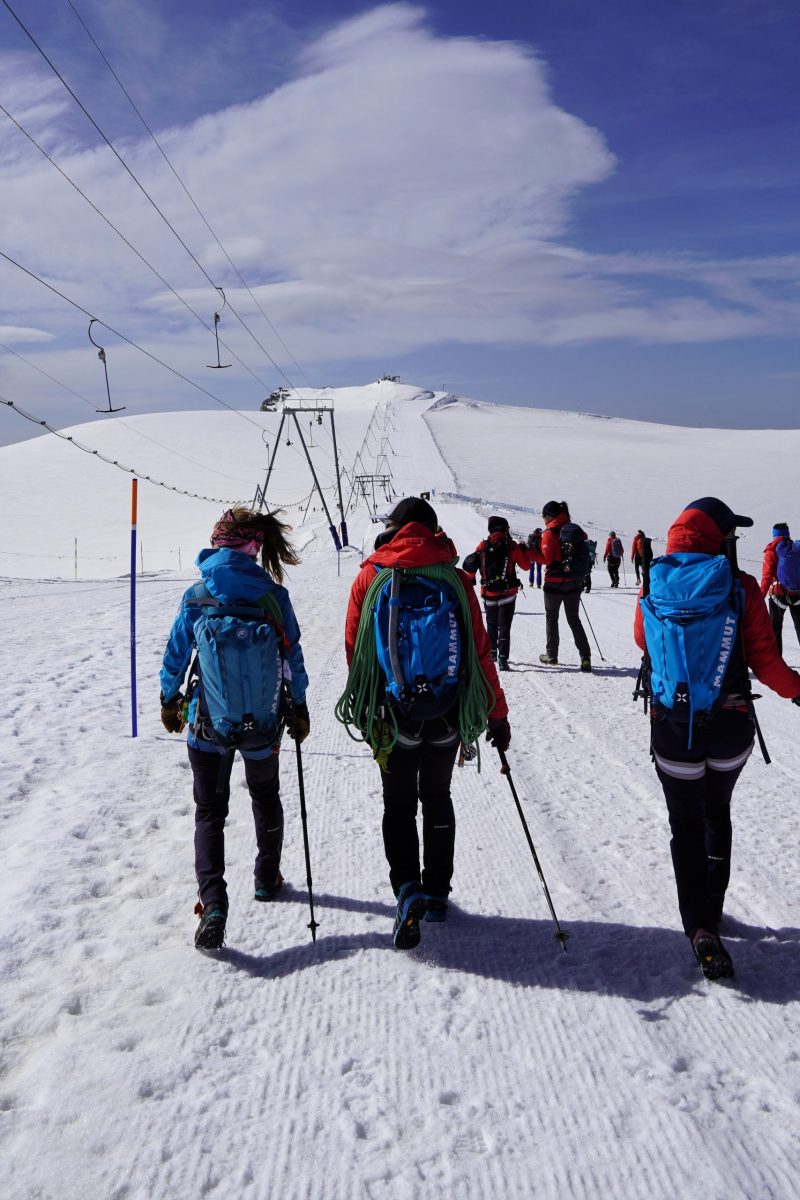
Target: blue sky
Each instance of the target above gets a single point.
(587, 204)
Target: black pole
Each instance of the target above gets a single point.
(560, 934)
(599, 651)
(343, 526)
(332, 528)
(312, 925)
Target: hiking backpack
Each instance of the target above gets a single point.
(497, 571)
(617, 548)
(243, 664)
(575, 560)
(419, 643)
(591, 548)
(788, 553)
(691, 617)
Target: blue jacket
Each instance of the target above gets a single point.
(229, 576)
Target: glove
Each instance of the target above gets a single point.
(499, 733)
(299, 726)
(796, 700)
(172, 713)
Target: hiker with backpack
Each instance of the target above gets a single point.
(421, 681)
(496, 559)
(702, 626)
(637, 553)
(613, 557)
(534, 542)
(565, 556)
(780, 580)
(246, 684)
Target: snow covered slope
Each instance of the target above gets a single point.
(485, 1064)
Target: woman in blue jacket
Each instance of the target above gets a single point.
(239, 609)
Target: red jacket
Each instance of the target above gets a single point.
(415, 546)
(607, 552)
(699, 535)
(518, 557)
(637, 549)
(549, 554)
(769, 570)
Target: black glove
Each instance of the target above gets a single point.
(796, 700)
(499, 733)
(299, 723)
(172, 713)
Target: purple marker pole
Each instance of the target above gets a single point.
(134, 490)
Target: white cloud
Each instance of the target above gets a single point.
(19, 333)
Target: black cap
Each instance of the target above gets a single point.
(498, 525)
(722, 516)
(412, 508)
(553, 508)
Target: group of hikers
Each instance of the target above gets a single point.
(423, 685)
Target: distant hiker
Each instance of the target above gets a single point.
(534, 542)
(565, 555)
(637, 553)
(410, 608)
(702, 716)
(496, 559)
(591, 546)
(246, 684)
(780, 580)
(613, 557)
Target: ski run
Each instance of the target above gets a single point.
(484, 1065)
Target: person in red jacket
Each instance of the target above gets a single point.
(637, 553)
(496, 558)
(560, 585)
(420, 765)
(778, 599)
(698, 783)
(612, 556)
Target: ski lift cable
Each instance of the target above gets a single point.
(129, 341)
(128, 243)
(121, 420)
(189, 195)
(139, 184)
(112, 462)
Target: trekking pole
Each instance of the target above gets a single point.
(624, 576)
(560, 934)
(312, 925)
(599, 651)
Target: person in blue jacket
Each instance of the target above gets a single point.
(231, 575)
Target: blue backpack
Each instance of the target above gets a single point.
(419, 643)
(789, 564)
(241, 656)
(691, 616)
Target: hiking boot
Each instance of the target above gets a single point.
(586, 664)
(411, 906)
(211, 930)
(494, 656)
(548, 661)
(266, 891)
(714, 960)
(437, 908)
(503, 665)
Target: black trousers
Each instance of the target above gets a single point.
(499, 615)
(698, 785)
(637, 562)
(572, 609)
(776, 614)
(212, 790)
(420, 769)
(613, 570)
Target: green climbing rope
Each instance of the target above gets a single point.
(361, 705)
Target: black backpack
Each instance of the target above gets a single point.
(497, 573)
(575, 560)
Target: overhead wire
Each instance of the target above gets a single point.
(121, 421)
(141, 187)
(130, 244)
(189, 195)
